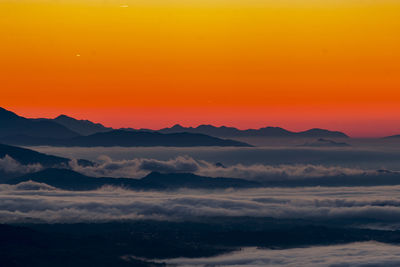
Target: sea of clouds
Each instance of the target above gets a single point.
(365, 254)
(35, 202)
(139, 167)
(355, 157)
(10, 165)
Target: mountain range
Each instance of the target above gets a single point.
(15, 129)
(85, 127)
(12, 124)
(124, 138)
(82, 127)
(231, 132)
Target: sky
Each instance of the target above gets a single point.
(297, 64)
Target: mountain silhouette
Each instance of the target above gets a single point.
(82, 127)
(67, 131)
(231, 132)
(128, 139)
(12, 124)
(71, 180)
(27, 156)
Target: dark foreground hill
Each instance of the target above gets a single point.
(127, 139)
(27, 156)
(11, 124)
(140, 243)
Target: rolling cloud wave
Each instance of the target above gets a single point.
(10, 165)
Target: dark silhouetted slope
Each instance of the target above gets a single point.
(127, 139)
(12, 124)
(83, 127)
(27, 156)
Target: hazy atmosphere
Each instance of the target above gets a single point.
(177, 133)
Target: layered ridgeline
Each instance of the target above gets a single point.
(13, 125)
(232, 132)
(126, 139)
(82, 127)
(17, 161)
(17, 130)
(67, 131)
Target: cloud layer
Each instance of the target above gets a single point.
(355, 254)
(10, 165)
(358, 156)
(139, 167)
(40, 203)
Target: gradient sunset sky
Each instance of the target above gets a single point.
(297, 64)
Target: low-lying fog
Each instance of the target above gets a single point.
(367, 156)
(34, 202)
(356, 254)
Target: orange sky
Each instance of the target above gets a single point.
(247, 63)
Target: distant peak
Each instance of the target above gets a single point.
(63, 116)
(177, 126)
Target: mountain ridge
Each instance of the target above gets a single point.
(127, 139)
(73, 127)
(261, 132)
(12, 124)
(83, 127)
